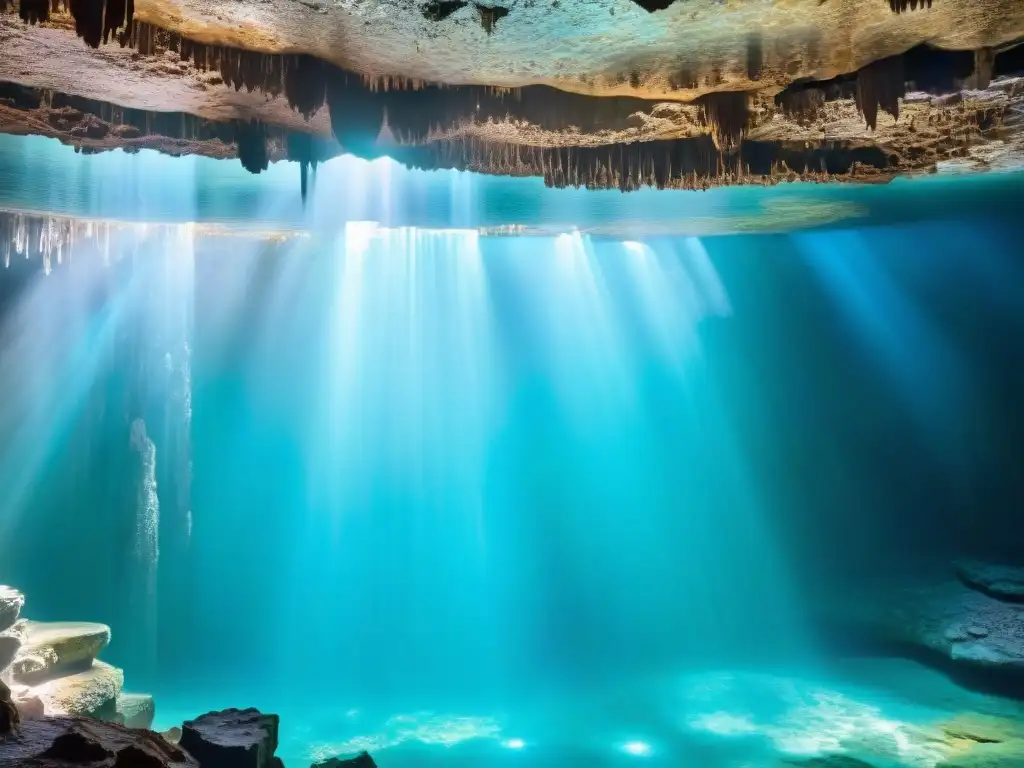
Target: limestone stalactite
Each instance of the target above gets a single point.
(902, 6)
(880, 85)
(96, 21)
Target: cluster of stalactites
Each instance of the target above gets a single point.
(727, 115)
(678, 164)
(96, 21)
(880, 85)
(902, 6)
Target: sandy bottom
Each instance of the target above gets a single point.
(883, 710)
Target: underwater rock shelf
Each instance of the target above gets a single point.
(971, 627)
(54, 669)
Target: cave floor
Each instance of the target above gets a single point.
(887, 712)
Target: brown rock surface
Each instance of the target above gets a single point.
(56, 742)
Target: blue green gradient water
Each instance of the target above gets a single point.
(571, 489)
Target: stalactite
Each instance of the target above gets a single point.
(880, 85)
(984, 63)
(727, 114)
(683, 163)
(251, 139)
(755, 56)
(802, 104)
(902, 6)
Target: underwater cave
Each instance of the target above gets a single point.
(537, 384)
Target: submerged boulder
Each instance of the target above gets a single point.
(234, 738)
(362, 760)
(136, 710)
(56, 742)
(1003, 582)
(91, 693)
(54, 649)
(11, 603)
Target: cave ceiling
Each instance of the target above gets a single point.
(595, 93)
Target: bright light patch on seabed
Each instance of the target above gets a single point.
(423, 727)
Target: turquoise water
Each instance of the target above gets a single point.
(560, 498)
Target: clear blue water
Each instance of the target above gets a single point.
(521, 500)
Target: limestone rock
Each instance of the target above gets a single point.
(11, 603)
(172, 735)
(136, 710)
(9, 646)
(362, 760)
(57, 742)
(950, 620)
(1003, 582)
(10, 719)
(29, 706)
(234, 738)
(53, 649)
(91, 693)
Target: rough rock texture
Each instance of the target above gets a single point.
(172, 735)
(53, 649)
(949, 623)
(1003, 582)
(57, 742)
(11, 603)
(28, 704)
(136, 710)
(865, 63)
(362, 760)
(10, 718)
(234, 738)
(9, 646)
(91, 693)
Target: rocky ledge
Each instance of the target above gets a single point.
(52, 668)
(230, 739)
(971, 625)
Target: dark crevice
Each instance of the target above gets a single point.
(727, 115)
(490, 16)
(1009, 61)
(654, 5)
(880, 85)
(439, 10)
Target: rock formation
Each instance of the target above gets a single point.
(975, 636)
(362, 760)
(1002, 582)
(54, 671)
(234, 738)
(186, 85)
(11, 603)
(56, 742)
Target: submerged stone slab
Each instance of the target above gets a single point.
(53, 649)
(91, 693)
(234, 738)
(1003, 582)
(136, 710)
(11, 603)
(57, 742)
